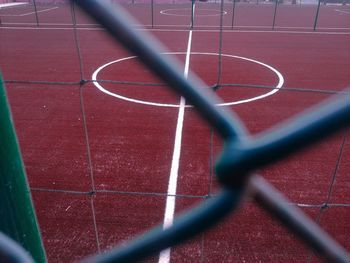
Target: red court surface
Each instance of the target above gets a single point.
(98, 165)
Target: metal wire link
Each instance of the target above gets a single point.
(12, 252)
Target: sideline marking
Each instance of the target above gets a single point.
(164, 256)
(167, 13)
(273, 91)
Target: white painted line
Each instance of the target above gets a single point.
(341, 11)
(164, 256)
(187, 63)
(157, 104)
(41, 11)
(101, 88)
(31, 13)
(168, 12)
(12, 4)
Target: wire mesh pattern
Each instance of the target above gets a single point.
(241, 155)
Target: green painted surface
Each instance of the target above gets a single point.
(17, 216)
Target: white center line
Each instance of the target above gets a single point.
(164, 256)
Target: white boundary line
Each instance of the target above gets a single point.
(164, 256)
(273, 91)
(27, 14)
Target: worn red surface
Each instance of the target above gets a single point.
(86, 207)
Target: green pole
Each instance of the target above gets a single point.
(17, 216)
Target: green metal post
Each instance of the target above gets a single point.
(17, 216)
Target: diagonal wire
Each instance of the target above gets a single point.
(325, 206)
(335, 173)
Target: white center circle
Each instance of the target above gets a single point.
(150, 103)
(173, 12)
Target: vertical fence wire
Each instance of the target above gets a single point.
(85, 127)
(274, 15)
(221, 22)
(317, 14)
(152, 13)
(233, 13)
(76, 42)
(36, 13)
(192, 13)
